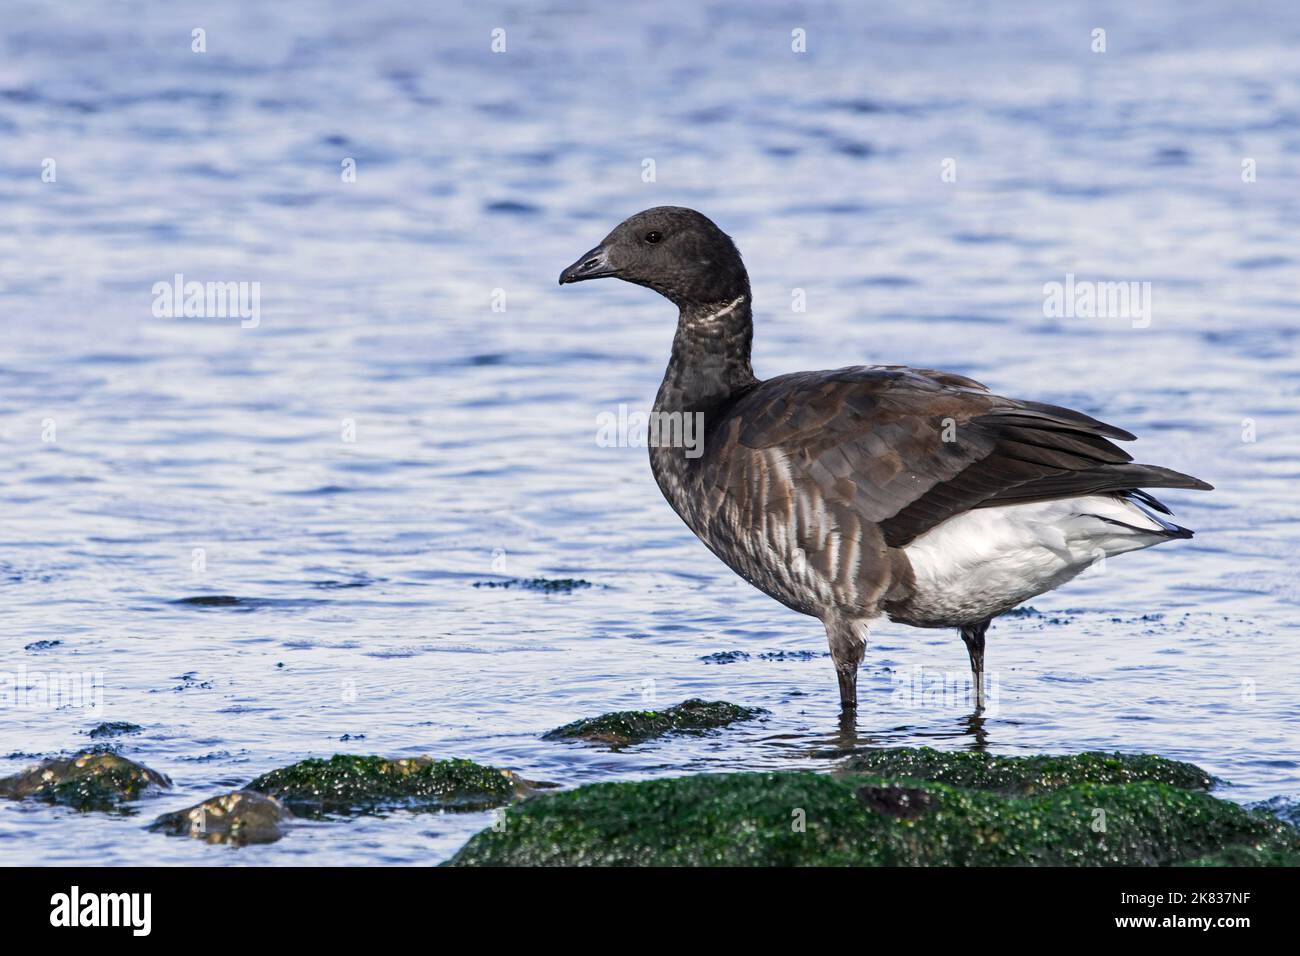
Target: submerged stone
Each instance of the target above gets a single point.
(792, 655)
(238, 819)
(725, 657)
(811, 819)
(113, 728)
(545, 585)
(347, 784)
(635, 726)
(1023, 775)
(91, 780)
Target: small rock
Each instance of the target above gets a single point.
(725, 657)
(1023, 611)
(545, 585)
(793, 655)
(92, 780)
(625, 727)
(113, 728)
(347, 784)
(239, 818)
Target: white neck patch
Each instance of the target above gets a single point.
(715, 316)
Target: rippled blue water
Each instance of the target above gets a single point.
(130, 441)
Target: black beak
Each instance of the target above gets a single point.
(590, 265)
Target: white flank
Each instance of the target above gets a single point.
(982, 562)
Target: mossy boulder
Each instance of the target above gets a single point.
(1024, 776)
(238, 819)
(91, 780)
(626, 727)
(1035, 812)
(347, 784)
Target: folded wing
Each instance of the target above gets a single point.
(909, 448)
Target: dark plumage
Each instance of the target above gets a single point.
(857, 492)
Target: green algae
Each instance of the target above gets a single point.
(240, 818)
(347, 784)
(91, 780)
(1024, 776)
(626, 727)
(1249, 856)
(805, 819)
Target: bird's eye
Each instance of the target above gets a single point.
(653, 237)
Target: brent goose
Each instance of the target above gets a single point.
(871, 490)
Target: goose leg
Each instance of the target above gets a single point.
(848, 643)
(973, 635)
(848, 687)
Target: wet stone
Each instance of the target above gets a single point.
(347, 784)
(544, 585)
(725, 657)
(621, 728)
(113, 728)
(240, 818)
(91, 780)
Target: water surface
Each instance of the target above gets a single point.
(384, 438)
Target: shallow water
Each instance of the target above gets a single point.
(131, 441)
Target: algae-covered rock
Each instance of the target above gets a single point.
(801, 819)
(238, 819)
(346, 784)
(91, 780)
(1024, 775)
(635, 726)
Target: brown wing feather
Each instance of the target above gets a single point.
(908, 448)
